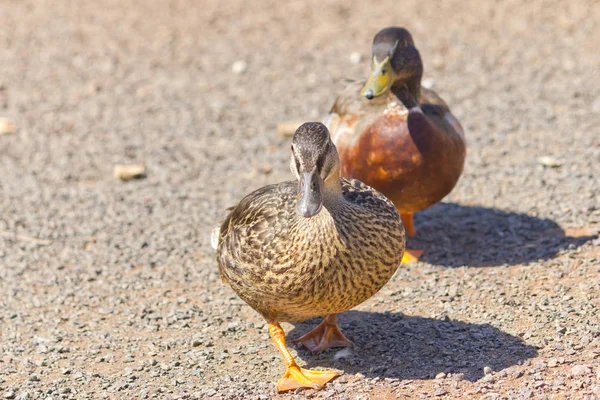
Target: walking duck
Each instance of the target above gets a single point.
(396, 136)
(315, 247)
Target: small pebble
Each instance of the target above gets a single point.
(239, 67)
(549, 162)
(458, 377)
(232, 326)
(128, 358)
(355, 57)
(9, 395)
(7, 126)
(428, 83)
(441, 375)
(580, 370)
(129, 172)
(539, 365)
(491, 396)
(344, 353)
(288, 128)
(487, 370)
(517, 374)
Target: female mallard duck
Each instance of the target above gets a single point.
(297, 251)
(396, 136)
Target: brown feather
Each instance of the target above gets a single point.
(291, 268)
(413, 158)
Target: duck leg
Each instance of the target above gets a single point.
(409, 227)
(327, 334)
(296, 377)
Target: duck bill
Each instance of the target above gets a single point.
(310, 198)
(379, 82)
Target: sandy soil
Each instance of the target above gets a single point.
(111, 290)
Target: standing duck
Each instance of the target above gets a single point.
(315, 247)
(395, 135)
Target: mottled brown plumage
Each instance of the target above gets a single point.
(395, 136)
(289, 267)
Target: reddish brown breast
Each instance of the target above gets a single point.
(415, 168)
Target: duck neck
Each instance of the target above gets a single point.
(408, 91)
(332, 192)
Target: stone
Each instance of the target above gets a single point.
(129, 172)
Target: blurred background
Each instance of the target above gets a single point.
(98, 275)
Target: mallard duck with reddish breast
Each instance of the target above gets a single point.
(313, 247)
(396, 136)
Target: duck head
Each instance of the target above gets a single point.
(396, 63)
(316, 164)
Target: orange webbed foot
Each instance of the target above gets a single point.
(411, 256)
(296, 377)
(326, 335)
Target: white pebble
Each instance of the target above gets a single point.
(239, 67)
(355, 57)
(344, 353)
(580, 370)
(428, 83)
(548, 161)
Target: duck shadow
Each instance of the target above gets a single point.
(392, 345)
(453, 235)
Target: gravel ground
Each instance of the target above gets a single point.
(111, 290)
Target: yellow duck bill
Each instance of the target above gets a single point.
(380, 80)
